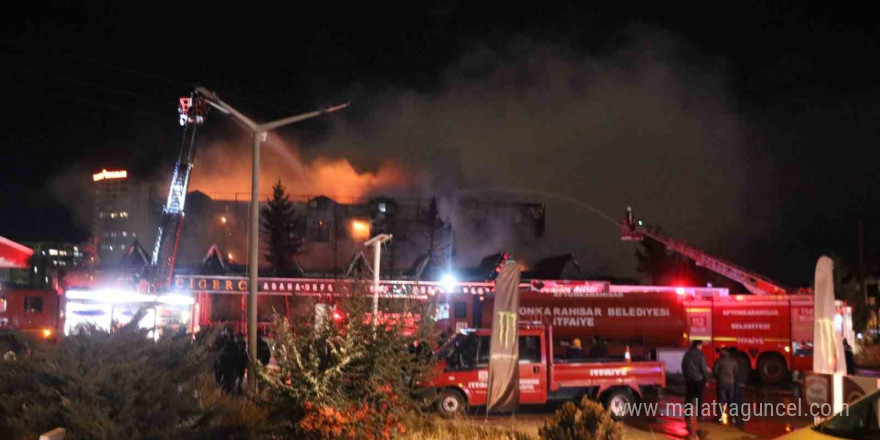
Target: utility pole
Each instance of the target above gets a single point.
(376, 242)
(260, 132)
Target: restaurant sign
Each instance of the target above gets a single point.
(321, 287)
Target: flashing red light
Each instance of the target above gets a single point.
(336, 316)
(680, 290)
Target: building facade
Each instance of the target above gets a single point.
(126, 209)
(333, 233)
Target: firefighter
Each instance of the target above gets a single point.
(696, 373)
(575, 351)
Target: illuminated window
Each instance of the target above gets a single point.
(124, 234)
(112, 215)
(2, 305)
(382, 207)
(53, 252)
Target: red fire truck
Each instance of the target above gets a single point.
(37, 312)
(460, 378)
(772, 334)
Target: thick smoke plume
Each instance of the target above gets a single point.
(645, 126)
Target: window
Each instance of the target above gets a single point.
(529, 349)
(321, 231)
(33, 304)
(442, 311)
(483, 352)
(2, 305)
(460, 310)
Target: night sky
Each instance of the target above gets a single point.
(746, 129)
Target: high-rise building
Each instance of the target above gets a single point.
(125, 211)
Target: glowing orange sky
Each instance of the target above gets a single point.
(223, 170)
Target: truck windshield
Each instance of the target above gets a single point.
(859, 421)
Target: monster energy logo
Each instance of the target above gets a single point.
(507, 328)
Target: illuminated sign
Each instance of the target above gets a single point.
(571, 289)
(104, 174)
(319, 287)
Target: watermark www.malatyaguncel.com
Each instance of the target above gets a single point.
(743, 411)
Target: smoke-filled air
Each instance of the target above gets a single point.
(647, 125)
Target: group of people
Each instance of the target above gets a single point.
(729, 379)
(231, 359)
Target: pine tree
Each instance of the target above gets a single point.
(280, 227)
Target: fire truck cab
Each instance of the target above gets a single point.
(36, 312)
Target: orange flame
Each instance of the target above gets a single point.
(223, 172)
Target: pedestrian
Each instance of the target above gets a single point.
(742, 378)
(696, 373)
(242, 362)
(725, 371)
(575, 351)
(848, 357)
(229, 360)
(263, 352)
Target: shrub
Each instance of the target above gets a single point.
(587, 421)
(101, 385)
(338, 378)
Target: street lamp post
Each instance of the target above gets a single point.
(260, 132)
(376, 242)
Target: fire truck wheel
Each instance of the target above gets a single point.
(617, 400)
(771, 368)
(451, 402)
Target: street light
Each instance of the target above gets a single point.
(376, 242)
(260, 131)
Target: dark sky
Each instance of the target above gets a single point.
(747, 129)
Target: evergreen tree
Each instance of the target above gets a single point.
(119, 385)
(280, 227)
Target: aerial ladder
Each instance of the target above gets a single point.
(192, 110)
(632, 230)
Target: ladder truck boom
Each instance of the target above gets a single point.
(632, 230)
(192, 111)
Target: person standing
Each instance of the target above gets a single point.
(726, 372)
(848, 357)
(696, 373)
(229, 360)
(263, 352)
